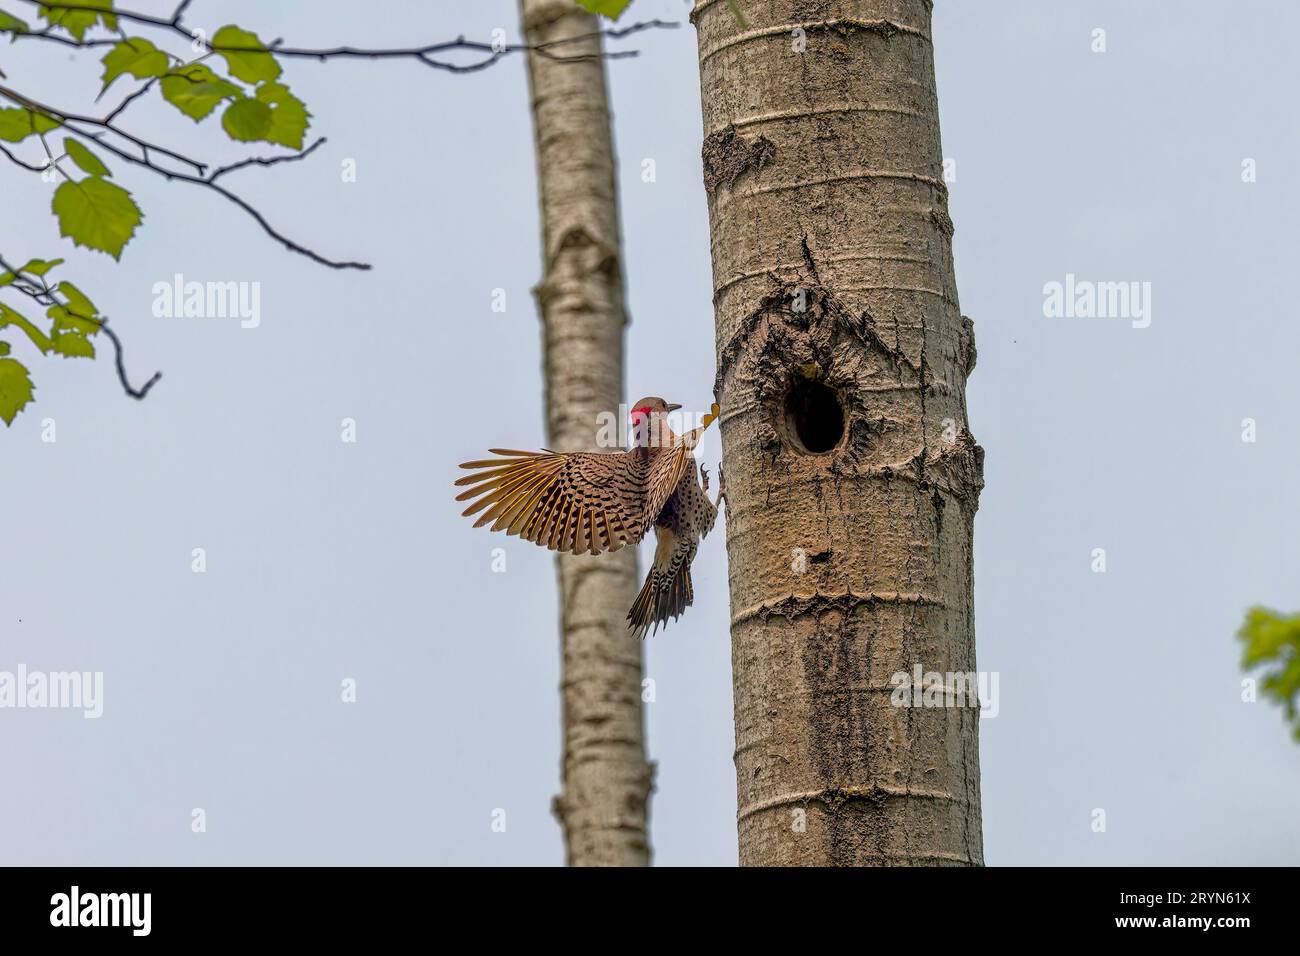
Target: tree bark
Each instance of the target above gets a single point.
(607, 781)
(852, 478)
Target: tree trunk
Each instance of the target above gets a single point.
(607, 780)
(852, 479)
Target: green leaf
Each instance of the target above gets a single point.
(78, 301)
(1272, 641)
(9, 316)
(1266, 634)
(96, 214)
(4, 348)
(134, 55)
(84, 158)
(275, 116)
(288, 118)
(72, 345)
(247, 119)
(77, 22)
(608, 8)
(78, 315)
(247, 57)
(11, 24)
(37, 267)
(15, 389)
(74, 323)
(195, 90)
(17, 124)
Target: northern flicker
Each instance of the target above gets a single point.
(590, 503)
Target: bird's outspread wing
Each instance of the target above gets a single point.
(576, 502)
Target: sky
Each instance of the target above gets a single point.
(337, 569)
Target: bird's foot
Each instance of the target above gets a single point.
(704, 477)
(722, 487)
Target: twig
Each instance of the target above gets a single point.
(49, 155)
(25, 165)
(137, 393)
(266, 161)
(237, 200)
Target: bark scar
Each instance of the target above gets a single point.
(795, 605)
(727, 157)
(962, 465)
(820, 304)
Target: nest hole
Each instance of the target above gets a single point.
(814, 417)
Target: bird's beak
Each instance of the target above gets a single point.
(672, 408)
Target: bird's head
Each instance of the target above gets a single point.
(648, 420)
(650, 407)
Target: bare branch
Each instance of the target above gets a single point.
(49, 156)
(137, 393)
(266, 161)
(25, 165)
(237, 200)
(131, 98)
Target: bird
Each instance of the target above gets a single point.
(595, 503)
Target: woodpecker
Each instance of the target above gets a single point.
(592, 503)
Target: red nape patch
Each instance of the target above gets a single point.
(641, 412)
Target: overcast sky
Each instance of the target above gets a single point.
(329, 561)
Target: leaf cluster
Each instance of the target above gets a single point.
(1271, 642)
(234, 74)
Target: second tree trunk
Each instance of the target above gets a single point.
(607, 781)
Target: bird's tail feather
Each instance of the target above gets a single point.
(663, 596)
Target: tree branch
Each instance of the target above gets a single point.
(37, 289)
(19, 162)
(266, 160)
(142, 144)
(144, 160)
(173, 24)
(237, 200)
(424, 54)
(140, 393)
